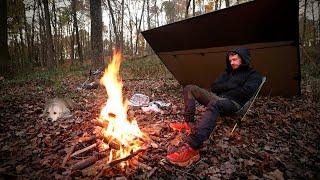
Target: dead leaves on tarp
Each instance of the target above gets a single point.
(279, 139)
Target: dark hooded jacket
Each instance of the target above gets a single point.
(239, 84)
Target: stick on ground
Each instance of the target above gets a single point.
(68, 155)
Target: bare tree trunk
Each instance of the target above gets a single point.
(50, 50)
(122, 21)
(193, 8)
(56, 36)
(39, 37)
(319, 23)
(96, 33)
(304, 21)
(114, 25)
(75, 27)
(4, 52)
(27, 35)
(139, 27)
(187, 8)
(32, 53)
(314, 24)
(148, 14)
(109, 48)
(42, 38)
(16, 51)
(227, 3)
(157, 13)
(130, 31)
(22, 44)
(216, 5)
(72, 56)
(60, 44)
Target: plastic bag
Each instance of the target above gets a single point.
(139, 100)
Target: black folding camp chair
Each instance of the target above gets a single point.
(245, 108)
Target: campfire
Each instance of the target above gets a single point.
(118, 138)
(121, 133)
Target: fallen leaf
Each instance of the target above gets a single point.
(276, 175)
(20, 168)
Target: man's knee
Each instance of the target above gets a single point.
(216, 105)
(189, 88)
(223, 106)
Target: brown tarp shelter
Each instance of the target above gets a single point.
(194, 49)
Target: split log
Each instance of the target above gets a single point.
(84, 150)
(87, 162)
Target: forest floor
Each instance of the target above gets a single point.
(279, 139)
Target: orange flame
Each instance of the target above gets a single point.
(115, 112)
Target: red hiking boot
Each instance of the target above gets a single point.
(185, 156)
(180, 126)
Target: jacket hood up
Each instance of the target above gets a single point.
(245, 58)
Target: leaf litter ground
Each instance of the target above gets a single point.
(278, 140)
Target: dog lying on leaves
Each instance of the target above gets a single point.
(58, 108)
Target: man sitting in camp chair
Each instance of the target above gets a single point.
(228, 94)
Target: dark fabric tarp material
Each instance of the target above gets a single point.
(194, 49)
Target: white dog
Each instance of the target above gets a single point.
(58, 108)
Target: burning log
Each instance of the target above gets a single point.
(117, 161)
(113, 143)
(86, 162)
(100, 123)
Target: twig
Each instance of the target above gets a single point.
(83, 150)
(234, 127)
(68, 155)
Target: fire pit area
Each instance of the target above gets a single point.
(118, 139)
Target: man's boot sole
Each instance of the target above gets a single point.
(187, 163)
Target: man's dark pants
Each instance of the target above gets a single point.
(215, 106)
